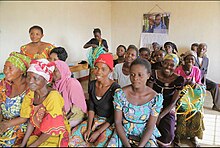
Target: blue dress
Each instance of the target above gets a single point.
(135, 118)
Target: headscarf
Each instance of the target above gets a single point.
(172, 45)
(19, 60)
(106, 59)
(43, 68)
(173, 57)
(70, 88)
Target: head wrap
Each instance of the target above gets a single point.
(19, 60)
(173, 57)
(190, 52)
(106, 59)
(43, 68)
(172, 45)
(69, 87)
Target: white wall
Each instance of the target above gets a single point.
(67, 24)
(70, 24)
(189, 22)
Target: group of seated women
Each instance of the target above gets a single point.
(41, 105)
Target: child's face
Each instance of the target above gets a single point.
(53, 57)
(189, 61)
(202, 50)
(120, 52)
(138, 75)
(195, 48)
(35, 35)
(56, 75)
(144, 55)
(130, 55)
(159, 55)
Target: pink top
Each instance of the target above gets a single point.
(70, 88)
(195, 74)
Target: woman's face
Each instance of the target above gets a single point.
(11, 72)
(138, 75)
(202, 50)
(168, 48)
(168, 67)
(56, 74)
(35, 81)
(130, 55)
(189, 61)
(120, 52)
(36, 35)
(101, 71)
(97, 35)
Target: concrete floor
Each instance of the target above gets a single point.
(211, 136)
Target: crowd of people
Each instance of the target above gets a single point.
(143, 98)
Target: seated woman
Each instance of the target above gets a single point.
(36, 49)
(137, 107)
(47, 125)
(58, 53)
(193, 126)
(121, 71)
(72, 92)
(13, 88)
(165, 81)
(97, 130)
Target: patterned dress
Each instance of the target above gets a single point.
(48, 118)
(10, 109)
(135, 118)
(45, 53)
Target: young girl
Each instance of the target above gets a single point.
(193, 126)
(137, 107)
(36, 49)
(47, 124)
(72, 92)
(97, 130)
(12, 91)
(165, 81)
(121, 71)
(121, 49)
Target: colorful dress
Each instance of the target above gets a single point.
(135, 118)
(48, 118)
(167, 123)
(104, 112)
(10, 109)
(45, 53)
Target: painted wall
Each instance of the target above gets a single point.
(67, 24)
(70, 24)
(189, 22)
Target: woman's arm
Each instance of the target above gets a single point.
(119, 128)
(169, 107)
(10, 123)
(148, 131)
(90, 45)
(43, 137)
(29, 131)
(89, 125)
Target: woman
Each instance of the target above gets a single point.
(72, 92)
(121, 71)
(97, 130)
(165, 81)
(120, 52)
(47, 125)
(190, 123)
(137, 107)
(12, 91)
(36, 49)
(170, 48)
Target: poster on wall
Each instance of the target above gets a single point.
(155, 29)
(156, 22)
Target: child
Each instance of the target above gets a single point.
(158, 58)
(144, 53)
(121, 49)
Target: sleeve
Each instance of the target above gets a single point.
(198, 76)
(206, 67)
(152, 77)
(53, 121)
(26, 105)
(179, 83)
(119, 96)
(115, 72)
(157, 105)
(90, 41)
(104, 43)
(91, 103)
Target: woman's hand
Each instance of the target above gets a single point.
(86, 135)
(3, 127)
(94, 45)
(94, 136)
